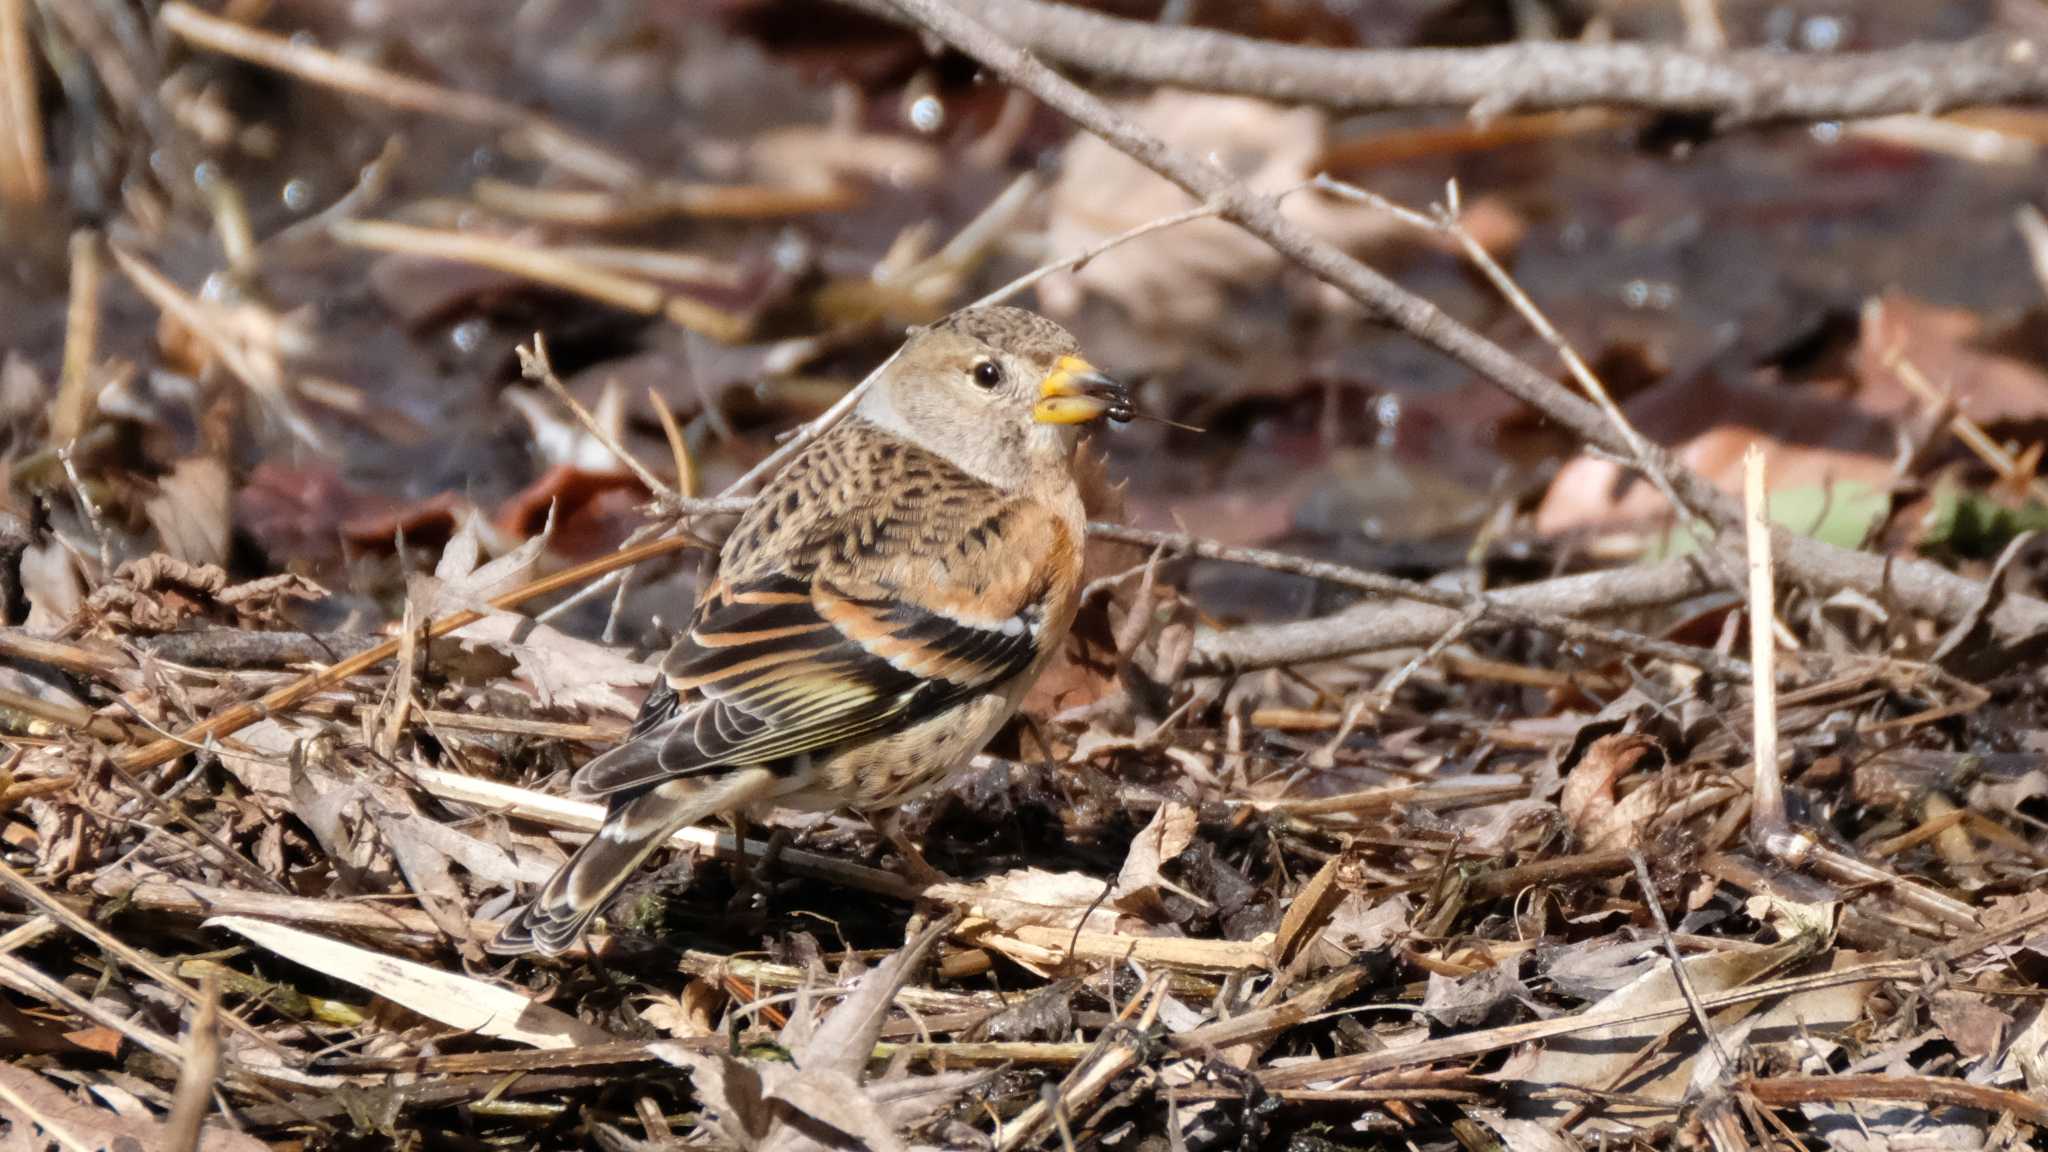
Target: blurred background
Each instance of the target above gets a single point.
(304, 239)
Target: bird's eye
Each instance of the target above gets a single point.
(988, 373)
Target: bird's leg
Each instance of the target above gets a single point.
(916, 869)
(757, 880)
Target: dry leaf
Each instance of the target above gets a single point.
(51, 583)
(1589, 493)
(1592, 969)
(1181, 278)
(1357, 927)
(561, 440)
(190, 511)
(1138, 885)
(1030, 896)
(1611, 1057)
(260, 603)
(1471, 999)
(563, 671)
(457, 1001)
(1588, 799)
(1971, 1022)
(1942, 344)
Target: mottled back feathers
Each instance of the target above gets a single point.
(871, 584)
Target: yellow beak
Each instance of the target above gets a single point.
(1075, 393)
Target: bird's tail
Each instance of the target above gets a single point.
(632, 830)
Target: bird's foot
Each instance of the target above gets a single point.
(915, 868)
(755, 878)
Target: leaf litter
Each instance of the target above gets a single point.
(1484, 886)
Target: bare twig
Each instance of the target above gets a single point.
(1471, 1044)
(1376, 625)
(73, 409)
(1448, 218)
(1490, 608)
(540, 265)
(1733, 87)
(1922, 1090)
(1767, 821)
(1683, 978)
(535, 365)
(194, 1094)
(1965, 429)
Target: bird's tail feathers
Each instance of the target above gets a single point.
(632, 830)
(633, 764)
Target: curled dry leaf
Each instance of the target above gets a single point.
(160, 593)
(1139, 884)
(1588, 800)
(154, 594)
(260, 603)
(1032, 896)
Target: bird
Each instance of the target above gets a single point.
(876, 615)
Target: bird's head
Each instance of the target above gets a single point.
(999, 392)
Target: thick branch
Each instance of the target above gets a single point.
(1437, 611)
(1377, 625)
(1738, 86)
(1919, 586)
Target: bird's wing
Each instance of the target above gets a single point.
(854, 636)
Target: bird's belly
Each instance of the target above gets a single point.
(894, 769)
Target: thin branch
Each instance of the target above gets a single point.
(1767, 822)
(535, 365)
(1489, 608)
(1733, 87)
(1378, 625)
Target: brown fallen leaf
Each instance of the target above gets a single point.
(1947, 346)
(1181, 279)
(1588, 800)
(190, 511)
(1139, 884)
(1589, 493)
(1971, 1022)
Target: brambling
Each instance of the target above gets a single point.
(877, 614)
